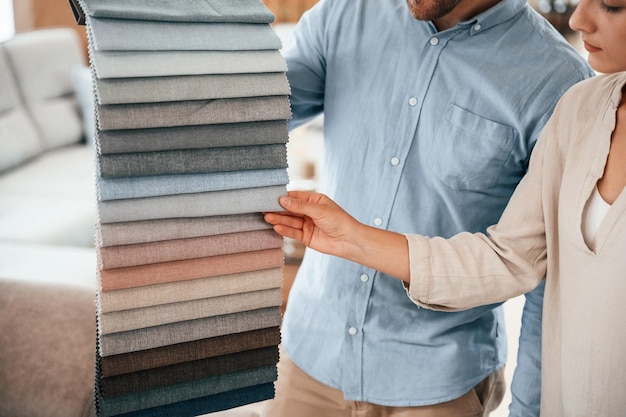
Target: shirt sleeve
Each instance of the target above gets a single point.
(306, 64)
(526, 383)
(474, 269)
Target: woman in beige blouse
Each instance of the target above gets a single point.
(566, 222)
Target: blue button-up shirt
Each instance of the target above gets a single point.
(424, 132)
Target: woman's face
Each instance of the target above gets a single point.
(602, 25)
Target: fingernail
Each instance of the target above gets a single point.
(285, 201)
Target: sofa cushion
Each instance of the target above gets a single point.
(42, 61)
(83, 86)
(51, 199)
(15, 121)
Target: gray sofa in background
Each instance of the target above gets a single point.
(46, 167)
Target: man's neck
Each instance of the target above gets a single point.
(465, 10)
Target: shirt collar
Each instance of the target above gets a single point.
(497, 14)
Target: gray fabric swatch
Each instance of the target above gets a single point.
(248, 200)
(142, 35)
(251, 11)
(131, 64)
(193, 161)
(193, 137)
(127, 233)
(139, 318)
(157, 185)
(196, 112)
(190, 87)
(186, 331)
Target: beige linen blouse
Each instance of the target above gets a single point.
(540, 234)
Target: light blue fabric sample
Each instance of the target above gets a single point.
(159, 185)
(250, 11)
(130, 64)
(247, 200)
(113, 35)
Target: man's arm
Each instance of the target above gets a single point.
(526, 383)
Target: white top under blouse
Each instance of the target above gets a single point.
(594, 213)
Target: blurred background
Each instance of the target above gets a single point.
(305, 155)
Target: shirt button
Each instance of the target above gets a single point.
(378, 221)
(364, 278)
(413, 101)
(395, 161)
(434, 41)
(477, 27)
(352, 331)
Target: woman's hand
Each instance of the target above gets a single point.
(315, 220)
(319, 223)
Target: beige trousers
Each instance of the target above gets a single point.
(299, 395)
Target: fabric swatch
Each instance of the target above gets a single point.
(251, 11)
(113, 35)
(144, 231)
(158, 185)
(137, 276)
(193, 161)
(247, 200)
(174, 292)
(189, 351)
(190, 248)
(188, 371)
(188, 390)
(193, 137)
(209, 404)
(180, 332)
(131, 64)
(139, 318)
(179, 249)
(196, 112)
(190, 87)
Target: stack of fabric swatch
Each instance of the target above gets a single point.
(191, 107)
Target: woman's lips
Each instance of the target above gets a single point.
(590, 48)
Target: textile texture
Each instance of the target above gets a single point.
(190, 120)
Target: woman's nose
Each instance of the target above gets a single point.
(579, 20)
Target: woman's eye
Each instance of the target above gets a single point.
(610, 9)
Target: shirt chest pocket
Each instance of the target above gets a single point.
(469, 152)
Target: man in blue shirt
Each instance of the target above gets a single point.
(430, 114)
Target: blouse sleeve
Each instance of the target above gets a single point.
(473, 269)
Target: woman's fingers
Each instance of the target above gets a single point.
(287, 220)
(286, 225)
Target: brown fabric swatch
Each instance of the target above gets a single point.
(188, 371)
(144, 231)
(179, 249)
(186, 331)
(138, 318)
(137, 276)
(174, 292)
(190, 351)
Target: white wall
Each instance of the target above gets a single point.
(7, 26)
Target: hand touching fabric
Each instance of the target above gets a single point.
(319, 223)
